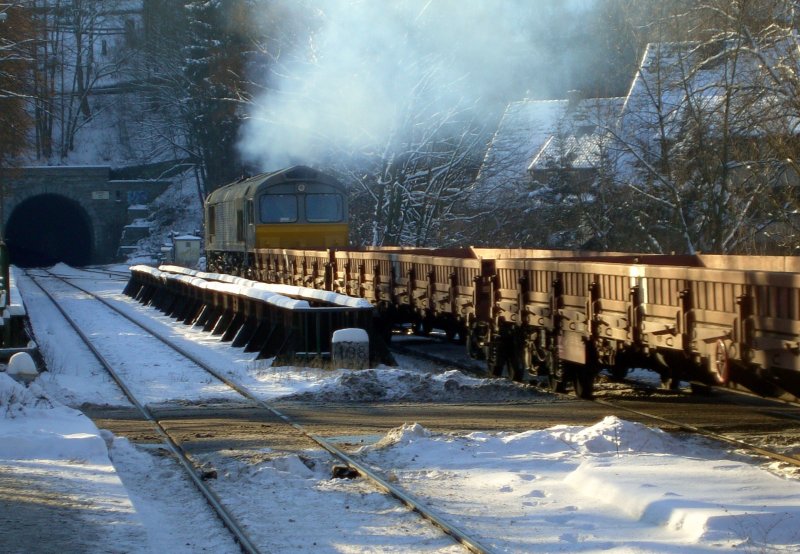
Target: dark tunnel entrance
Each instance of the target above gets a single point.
(47, 229)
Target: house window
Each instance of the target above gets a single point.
(130, 32)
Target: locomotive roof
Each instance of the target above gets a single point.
(297, 173)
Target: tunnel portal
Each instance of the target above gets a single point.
(46, 229)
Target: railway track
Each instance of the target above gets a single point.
(111, 273)
(757, 419)
(197, 474)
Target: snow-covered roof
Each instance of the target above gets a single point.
(657, 92)
(536, 134)
(522, 131)
(676, 81)
(579, 137)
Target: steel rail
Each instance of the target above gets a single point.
(113, 277)
(228, 520)
(450, 529)
(792, 460)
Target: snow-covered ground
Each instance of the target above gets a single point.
(614, 486)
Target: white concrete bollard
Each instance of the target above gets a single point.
(22, 368)
(350, 348)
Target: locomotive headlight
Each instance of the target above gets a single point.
(301, 188)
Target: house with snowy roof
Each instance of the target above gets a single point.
(696, 116)
(675, 87)
(523, 129)
(536, 137)
(580, 142)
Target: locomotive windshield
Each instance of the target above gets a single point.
(278, 208)
(322, 208)
(316, 208)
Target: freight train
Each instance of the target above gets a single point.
(556, 315)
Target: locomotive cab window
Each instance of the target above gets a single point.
(324, 208)
(278, 208)
(239, 225)
(250, 213)
(212, 220)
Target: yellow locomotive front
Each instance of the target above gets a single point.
(298, 208)
(302, 214)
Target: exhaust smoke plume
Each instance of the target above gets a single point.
(365, 65)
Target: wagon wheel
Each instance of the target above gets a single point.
(423, 327)
(719, 365)
(513, 367)
(583, 382)
(495, 361)
(474, 349)
(501, 367)
(455, 332)
(618, 373)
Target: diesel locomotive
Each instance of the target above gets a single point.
(298, 208)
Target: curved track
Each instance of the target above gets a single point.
(195, 474)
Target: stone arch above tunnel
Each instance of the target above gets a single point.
(49, 228)
(103, 194)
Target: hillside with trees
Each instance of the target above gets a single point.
(401, 100)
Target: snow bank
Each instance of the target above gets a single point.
(707, 499)
(405, 436)
(614, 436)
(16, 399)
(384, 384)
(36, 427)
(615, 484)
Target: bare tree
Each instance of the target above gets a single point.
(74, 57)
(416, 188)
(690, 129)
(15, 29)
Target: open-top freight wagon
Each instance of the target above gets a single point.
(567, 315)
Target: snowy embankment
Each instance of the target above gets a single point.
(615, 485)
